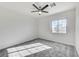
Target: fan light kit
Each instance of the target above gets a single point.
(41, 10)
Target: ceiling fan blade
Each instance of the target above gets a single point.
(45, 11)
(35, 6)
(54, 4)
(34, 11)
(44, 7)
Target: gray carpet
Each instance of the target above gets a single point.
(57, 50)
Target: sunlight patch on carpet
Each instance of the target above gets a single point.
(26, 50)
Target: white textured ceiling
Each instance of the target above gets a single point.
(26, 7)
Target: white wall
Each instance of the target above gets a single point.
(45, 28)
(77, 29)
(15, 28)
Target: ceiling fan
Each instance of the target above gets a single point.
(41, 9)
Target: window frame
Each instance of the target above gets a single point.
(58, 19)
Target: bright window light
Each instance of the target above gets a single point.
(59, 26)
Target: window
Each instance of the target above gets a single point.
(59, 26)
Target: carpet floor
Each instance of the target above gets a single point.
(44, 48)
